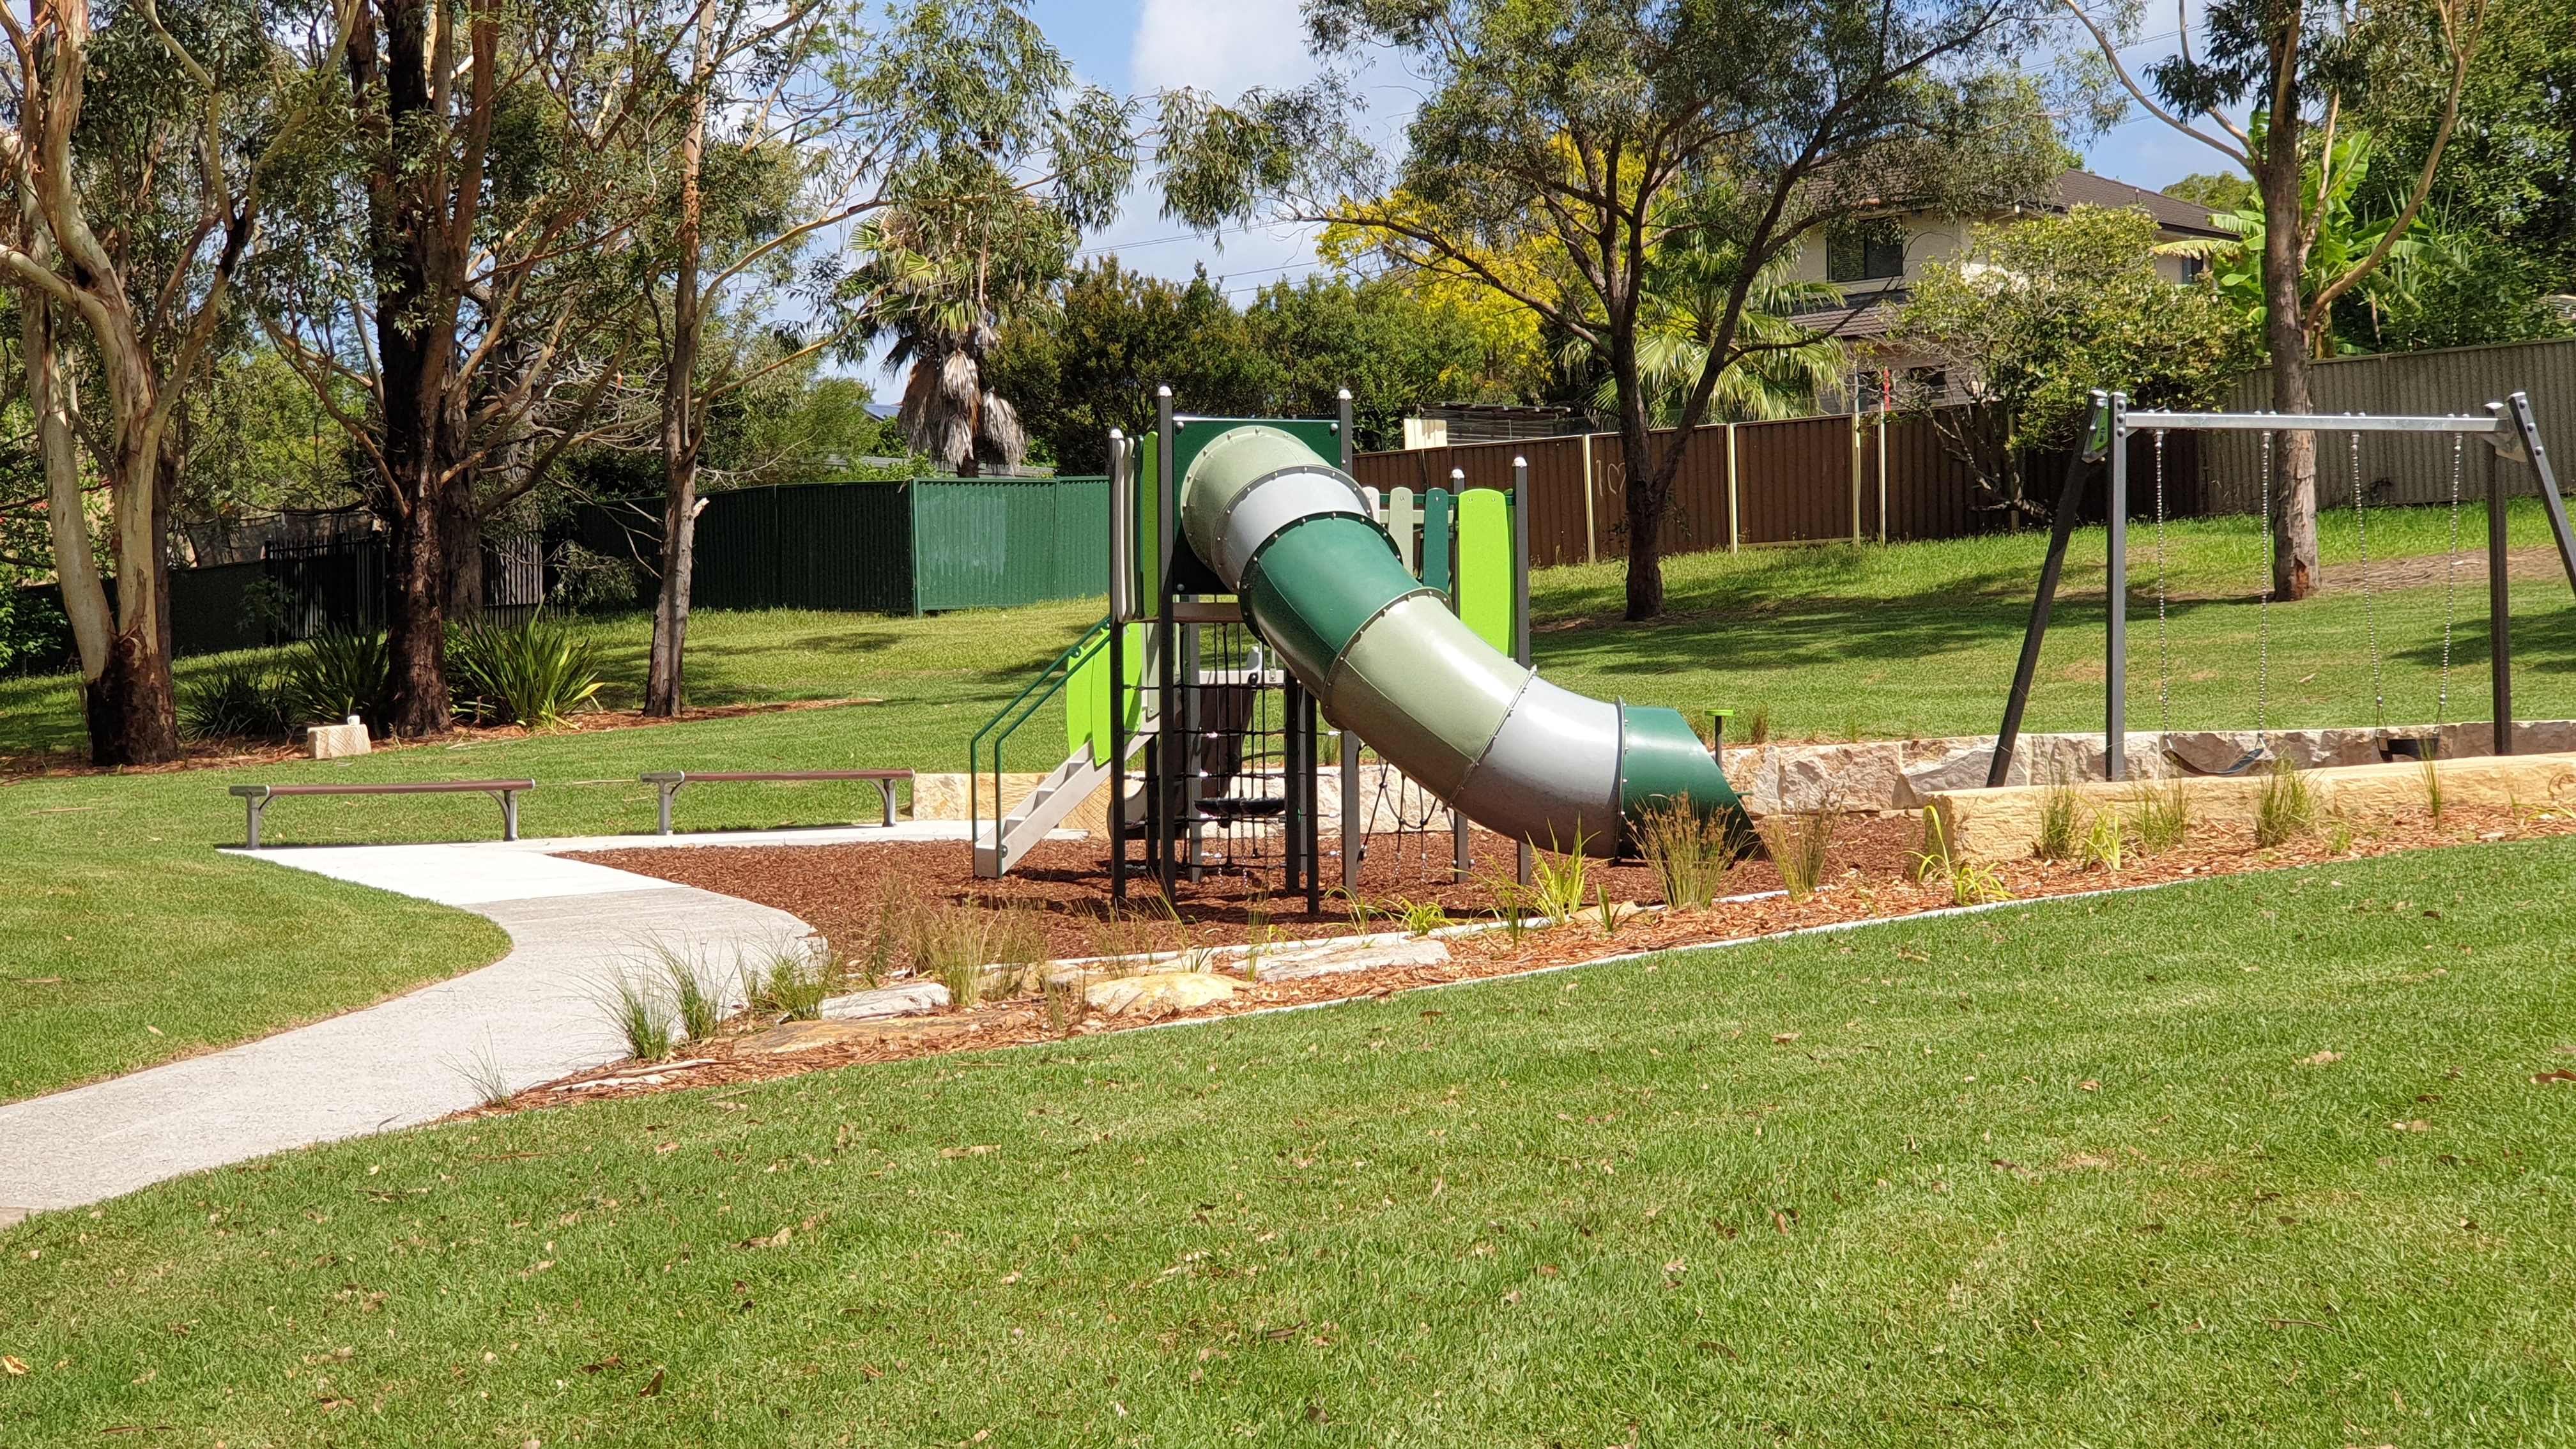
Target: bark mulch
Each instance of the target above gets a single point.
(1872, 879)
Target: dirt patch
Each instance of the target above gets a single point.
(1873, 880)
(242, 754)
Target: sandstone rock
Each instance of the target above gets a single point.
(1158, 993)
(799, 1036)
(910, 998)
(335, 741)
(1343, 956)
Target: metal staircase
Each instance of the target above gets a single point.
(1065, 788)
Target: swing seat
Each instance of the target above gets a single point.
(2251, 758)
(2393, 748)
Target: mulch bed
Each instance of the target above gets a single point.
(1871, 879)
(242, 753)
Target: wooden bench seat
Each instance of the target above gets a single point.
(670, 782)
(256, 797)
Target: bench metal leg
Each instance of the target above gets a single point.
(509, 812)
(667, 792)
(886, 789)
(252, 832)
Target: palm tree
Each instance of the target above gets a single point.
(944, 271)
(1791, 364)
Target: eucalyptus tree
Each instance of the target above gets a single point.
(457, 268)
(137, 153)
(949, 131)
(1615, 134)
(2270, 86)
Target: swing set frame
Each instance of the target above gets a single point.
(2508, 428)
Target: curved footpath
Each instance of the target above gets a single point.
(530, 1017)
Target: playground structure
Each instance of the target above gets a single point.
(2508, 428)
(1257, 592)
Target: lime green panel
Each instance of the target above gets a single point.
(1485, 565)
(1086, 695)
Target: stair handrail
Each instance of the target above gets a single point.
(1049, 683)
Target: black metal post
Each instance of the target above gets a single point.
(2499, 608)
(1170, 730)
(2096, 436)
(1519, 515)
(2115, 632)
(1122, 562)
(1354, 822)
(2527, 431)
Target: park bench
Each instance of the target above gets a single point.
(670, 782)
(256, 797)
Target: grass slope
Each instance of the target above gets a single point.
(1839, 641)
(2067, 1173)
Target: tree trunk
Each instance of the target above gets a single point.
(2295, 573)
(1648, 486)
(663, 692)
(460, 551)
(420, 213)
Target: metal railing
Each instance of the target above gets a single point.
(1007, 721)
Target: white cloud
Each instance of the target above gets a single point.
(1224, 46)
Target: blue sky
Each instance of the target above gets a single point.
(1227, 46)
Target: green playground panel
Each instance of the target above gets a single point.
(1484, 594)
(1086, 694)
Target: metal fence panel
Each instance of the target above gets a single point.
(2401, 468)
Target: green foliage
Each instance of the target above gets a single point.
(640, 1012)
(1692, 851)
(1421, 918)
(332, 676)
(1392, 349)
(793, 981)
(2038, 312)
(1090, 359)
(1799, 842)
(1559, 881)
(2061, 821)
(2287, 808)
(1689, 296)
(532, 673)
(2161, 816)
(2219, 191)
(240, 700)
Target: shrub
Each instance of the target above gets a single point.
(639, 1013)
(532, 673)
(1799, 841)
(1421, 918)
(2163, 817)
(334, 675)
(2429, 774)
(2102, 842)
(1968, 882)
(1692, 851)
(1559, 881)
(793, 982)
(2287, 808)
(956, 944)
(2061, 820)
(698, 1010)
(237, 701)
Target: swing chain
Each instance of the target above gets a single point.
(2164, 655)
(2263, 613)
(2369, 604)
(2450, 595)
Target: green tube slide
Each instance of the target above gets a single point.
(1323, 586)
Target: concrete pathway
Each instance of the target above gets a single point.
(528, 1018)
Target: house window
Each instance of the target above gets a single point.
(1865, 252)
(2192, 267)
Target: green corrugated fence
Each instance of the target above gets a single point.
(907, 547)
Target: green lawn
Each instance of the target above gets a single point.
(2249, 1161)
(1832, 642)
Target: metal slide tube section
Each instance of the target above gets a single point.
(1323, 585)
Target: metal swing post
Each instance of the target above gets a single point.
(2115, 633)
(2097, 441)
